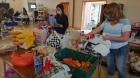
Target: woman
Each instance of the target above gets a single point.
(26, 17)
(10, 13)
(62, 19)
(116, 28)
(24, 11)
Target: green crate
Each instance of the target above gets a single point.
(78, 73)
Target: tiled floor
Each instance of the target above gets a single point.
(95, 74)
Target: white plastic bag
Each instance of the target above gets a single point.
(69, 37)
(40, 36)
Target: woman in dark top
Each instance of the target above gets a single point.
(62, 20)
(26, 20)
(24, 11)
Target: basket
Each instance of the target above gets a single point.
(78, 73)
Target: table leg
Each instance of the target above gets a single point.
(99, 66)
(2, 69)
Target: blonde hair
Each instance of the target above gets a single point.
(114, 11)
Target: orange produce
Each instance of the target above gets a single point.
(76, 64)
(87, 67)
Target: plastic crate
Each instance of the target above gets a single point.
(78, 73)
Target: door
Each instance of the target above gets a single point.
(66, 8)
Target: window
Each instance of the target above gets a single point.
(91, 14)
(32, 6)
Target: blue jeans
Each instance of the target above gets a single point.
(118, 57)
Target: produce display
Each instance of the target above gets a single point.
(47, 54)
(23, 38)
(77, 64)
(46, 65)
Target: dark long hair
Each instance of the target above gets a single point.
(61, 7)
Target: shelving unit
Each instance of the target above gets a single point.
(135, 45)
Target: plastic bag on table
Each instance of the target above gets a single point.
(54, 40)
(69, 39)
(40, 36)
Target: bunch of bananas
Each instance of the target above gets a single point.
(23, 38)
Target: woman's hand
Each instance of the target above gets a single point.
(107, 37)
(60, 25)
(122, 38)
(85, 36)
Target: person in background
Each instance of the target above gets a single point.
(25, 16)
(24, 11)
(16, 15)
(35, 15)
(116, 28)
(61, 19)
(10, 13)
(1, 14)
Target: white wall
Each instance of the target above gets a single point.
(1, 1)
(48, 3)
(52, 5)
(16, 4)
(25, 4)
(31, 0)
